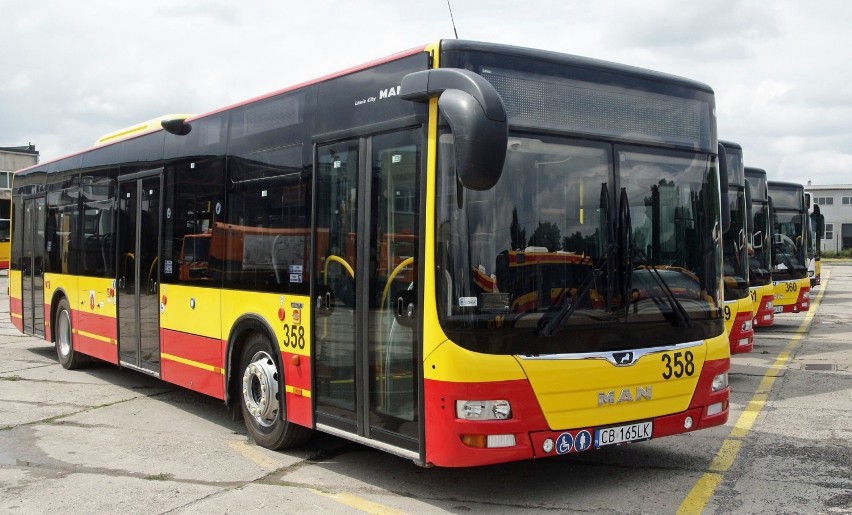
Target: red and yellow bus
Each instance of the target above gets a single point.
(816, 229)
(5, 218)
(738, 301)
(462, 254)
(789, 250)
(760, 251)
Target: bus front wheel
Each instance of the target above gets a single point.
(68, 357)
(262, 399)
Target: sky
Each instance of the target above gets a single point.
(73, 71)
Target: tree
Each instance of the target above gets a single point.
(547, 234)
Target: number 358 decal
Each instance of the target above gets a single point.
(678, 364)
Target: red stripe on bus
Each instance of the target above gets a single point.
(201, 349)
(96, 348)
(197, 379)
(297, 376)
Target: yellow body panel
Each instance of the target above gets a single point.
(745, 305)
(731, 310)
(94, 295)
(569, 392)
(787, 292)
(190, 309)
(5, 251)
(15, 284)
(451, 363)
(293, 333)
(734, 308)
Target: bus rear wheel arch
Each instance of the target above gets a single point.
(260, 394)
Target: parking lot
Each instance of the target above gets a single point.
(106, 440)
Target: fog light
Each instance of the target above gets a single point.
(501, 440)
(720, 382)
(547, 445)
(743, 341)
(488, 441)
(715, 409)
(687, 423)
(483, 410)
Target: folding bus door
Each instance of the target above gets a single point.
(139, 203)
(32, 266)
(367, 225)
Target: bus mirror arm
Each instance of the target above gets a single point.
(748, 219)
(176, 126)
(723, 188)
(477, 116)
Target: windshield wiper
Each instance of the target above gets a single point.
(625, 237)
(571, 304)
(624, 229)
(681, 315)
(604, 264)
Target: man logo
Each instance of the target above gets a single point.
(625, 395)
(623, 358)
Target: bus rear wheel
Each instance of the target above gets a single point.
(62, 338)
(262, 400)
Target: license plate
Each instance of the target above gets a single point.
(778, 309)
(621, 434)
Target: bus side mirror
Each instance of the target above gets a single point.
(477, 117)
(723, 188)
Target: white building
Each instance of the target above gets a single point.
(835, 204)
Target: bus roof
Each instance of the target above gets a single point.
(446, 45)
(152, 125)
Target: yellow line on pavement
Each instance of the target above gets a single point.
(261, 457)
(361, 504)
(701, 493)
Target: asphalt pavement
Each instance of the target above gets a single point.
(106, 440)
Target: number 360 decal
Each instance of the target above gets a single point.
(678, 364)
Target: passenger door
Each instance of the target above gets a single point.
(32, 266)
(367, 344)
(138, 280)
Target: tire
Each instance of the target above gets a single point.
(262, 397)
(62, 338)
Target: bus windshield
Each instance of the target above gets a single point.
(551, 237)
(735, 241)
(789, 238)
(789, 251)
(760, 253)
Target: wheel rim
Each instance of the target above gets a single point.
(260, 389)
(63, 333)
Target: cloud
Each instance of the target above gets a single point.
(74, 71)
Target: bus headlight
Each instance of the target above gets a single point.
(720, 382)
(483, 410)
(746, 326)
(769, 305)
